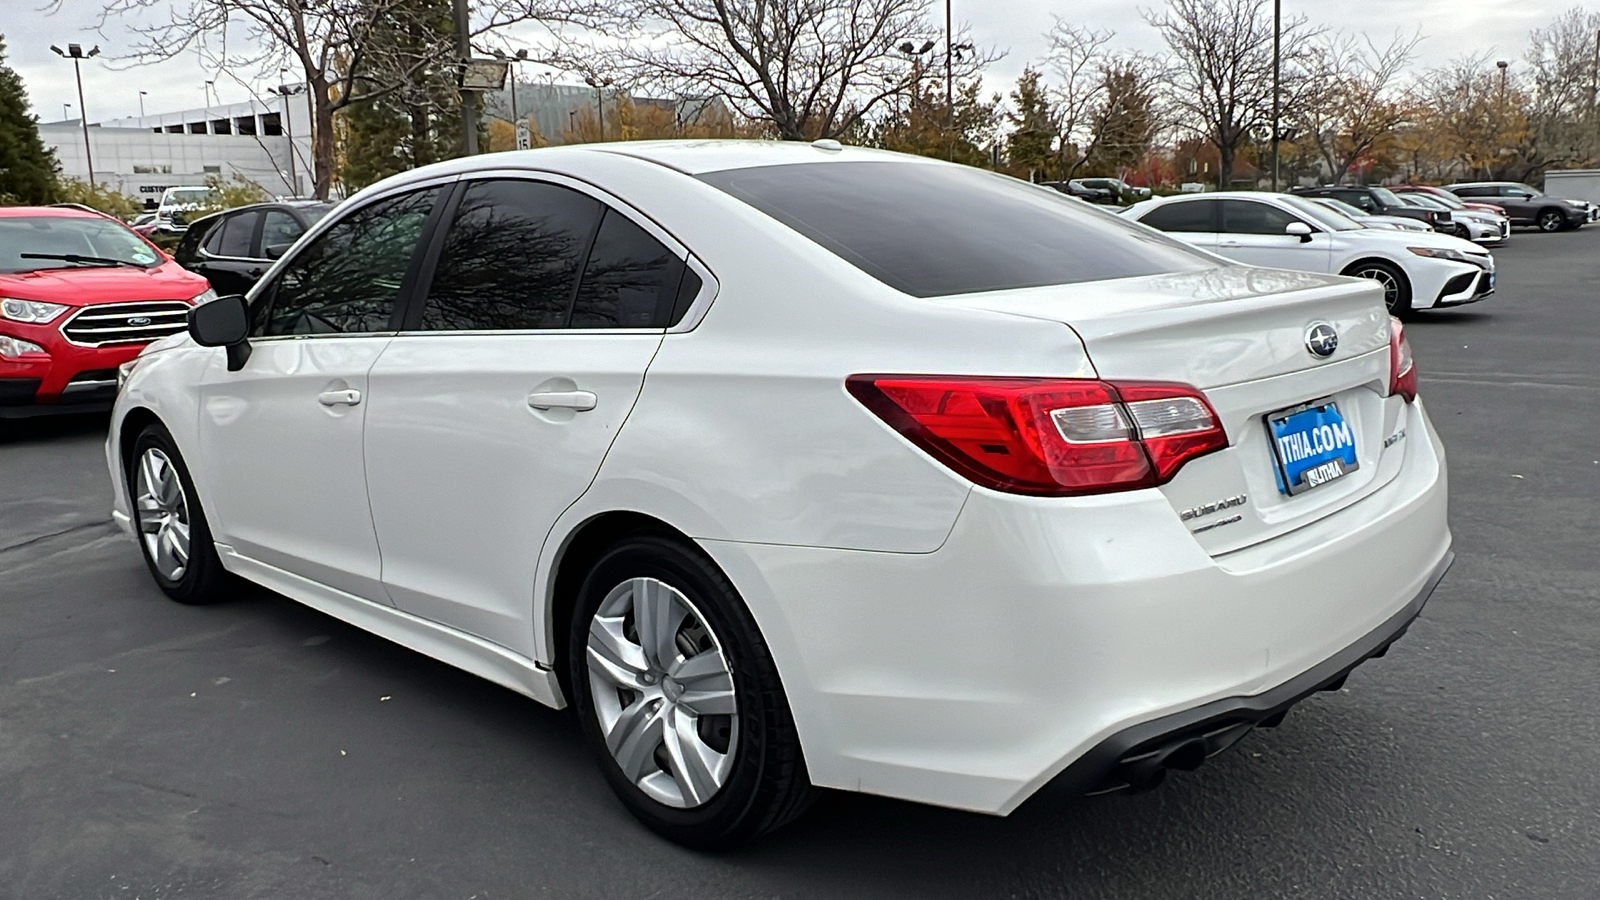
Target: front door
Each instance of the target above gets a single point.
(1255, 233)
(283, 435)
(494, 409)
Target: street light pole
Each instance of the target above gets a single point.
(285, 91)
(75, 53)
(599, 100)
(1277, 36)
(469, 121)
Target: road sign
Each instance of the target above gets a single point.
(524, 135)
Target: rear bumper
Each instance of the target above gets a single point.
(1139, 757)
(1044, 630)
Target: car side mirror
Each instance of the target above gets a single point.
(224, 322)
(276, 251)
(1300, 230)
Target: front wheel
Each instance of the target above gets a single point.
(680, 699)
(173, 534)
(1396, 289)
(1551, 220)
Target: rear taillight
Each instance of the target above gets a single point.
(1047, 437)
(1402, 366)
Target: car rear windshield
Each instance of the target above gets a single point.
(934, 230)
(68, 236)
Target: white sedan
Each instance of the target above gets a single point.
(782, 486)
(1417, 271)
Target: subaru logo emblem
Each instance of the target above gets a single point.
(138, 321)
(1321, 339)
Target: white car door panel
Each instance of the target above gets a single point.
(1254, 233)
(284, 434)
(493, 410)
(288, 472)
(475, 445)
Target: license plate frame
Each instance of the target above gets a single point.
(1324, 465)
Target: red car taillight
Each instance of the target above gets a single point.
(1047, 437)
(1402, 365)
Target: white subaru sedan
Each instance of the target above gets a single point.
(793, 466)
(1417, 271)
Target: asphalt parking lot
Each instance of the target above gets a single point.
(260, 749)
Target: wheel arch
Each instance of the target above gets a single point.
(132, 425)
(578, 551)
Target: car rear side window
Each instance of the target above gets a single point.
(513, 257)
(631, 279)
(349, 277)
(932, 230)
(526, 255)
(1184, 216)
(1250, 217)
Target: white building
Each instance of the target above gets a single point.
(141, 156)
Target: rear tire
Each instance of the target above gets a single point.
(1551, 220)
(1396, 288)
(699, 764)
(173, 535)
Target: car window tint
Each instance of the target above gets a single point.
(211, 234)
(348, 279)
(236, 234)
(1250, 217)
(512, 257)
(630, 281)
(279, 229)
(932, 229)
(1359, 199)
(1184, 216)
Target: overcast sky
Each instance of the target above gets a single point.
(111, 89)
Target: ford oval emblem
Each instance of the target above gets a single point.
(138, 321)
(1321, 339)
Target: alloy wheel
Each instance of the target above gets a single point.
(1550, 220)
(663, 693)
(162, 511)
(1391, 285)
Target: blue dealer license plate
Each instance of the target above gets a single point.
(1313, 445)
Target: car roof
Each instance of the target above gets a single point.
(64, 212)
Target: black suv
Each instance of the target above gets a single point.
(1525, 205)
(234, 248)
(1379, 201)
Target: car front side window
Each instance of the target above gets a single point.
(1250, 217)
(350, 277)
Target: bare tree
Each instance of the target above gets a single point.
(1563, 84)
(327, 41)
(810, 68)
(1077, 57)
(1221, 81)
(1352, 97)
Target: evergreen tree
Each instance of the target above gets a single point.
(1034, 127)
(28, 171)
(420, 121)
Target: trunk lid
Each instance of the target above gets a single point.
(1239, 333)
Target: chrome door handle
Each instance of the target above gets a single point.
(578, 400)
(339, 398)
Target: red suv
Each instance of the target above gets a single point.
(80, 294)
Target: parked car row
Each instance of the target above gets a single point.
(1418, 269)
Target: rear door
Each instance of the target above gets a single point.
(1195, 222)
(226, 258)
(1255, 233)
(495, 406)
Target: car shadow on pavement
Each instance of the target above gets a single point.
(1277, 794)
